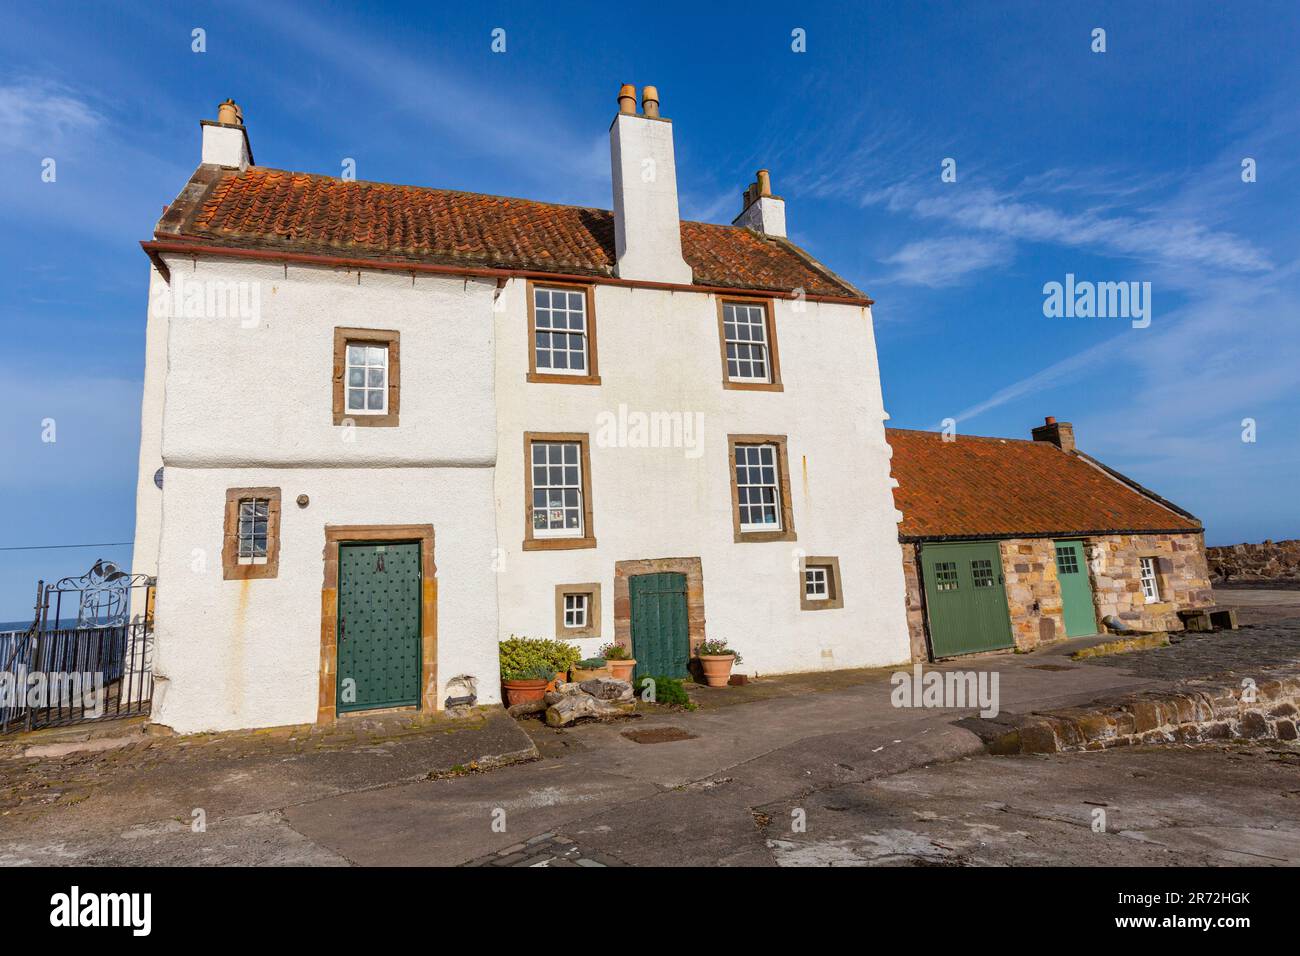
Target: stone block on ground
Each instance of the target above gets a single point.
(607, 688)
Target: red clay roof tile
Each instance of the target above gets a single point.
(1005, 487)
(263, 208)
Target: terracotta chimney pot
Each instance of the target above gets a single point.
(650, 102)
(764, 183)
(627, 98)
(230, 113)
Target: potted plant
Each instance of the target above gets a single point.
(527, 684)
(562, 655)
(716, 659)
(590, 668)
(619, 660)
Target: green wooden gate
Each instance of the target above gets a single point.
(1076, 589)
(660, 642)
(965, 599)
(379, 652)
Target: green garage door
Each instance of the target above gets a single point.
(965, 599)
(1076, 589)
(660, 642)
(379, 652)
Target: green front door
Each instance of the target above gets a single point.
(659, 638)
(1076, 589)
(378, 626)
(965, 599)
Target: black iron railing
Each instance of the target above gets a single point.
(71, 675)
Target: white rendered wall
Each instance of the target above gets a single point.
(148, 497)
(247, 653)
(248, 402)
(658, 351)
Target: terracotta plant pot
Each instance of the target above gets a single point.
(717, 668)
(580, 675)
(560, 678)
(621, 670)
(523, 691)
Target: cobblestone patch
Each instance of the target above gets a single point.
(546, 849)
(1249, 650)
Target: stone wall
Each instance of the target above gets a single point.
(1034, 594)
(1181, 572)
(1269, 561)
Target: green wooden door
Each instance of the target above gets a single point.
(379, 652)
(1076, 589)
(965, 599)
(660, 642)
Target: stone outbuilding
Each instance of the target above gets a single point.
(1010, 543)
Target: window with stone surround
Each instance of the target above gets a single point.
(557, 491)
(760, 488)
(821, 584)
(367, 377)
(251, 539)
(562, 334)
(577, 610)
(747, 336)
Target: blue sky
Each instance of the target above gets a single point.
(1115, 166)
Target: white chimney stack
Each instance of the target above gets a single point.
(647, 225)
(763, 211)
(225, 142)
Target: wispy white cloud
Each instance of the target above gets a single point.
(36, 114)
(947, 260)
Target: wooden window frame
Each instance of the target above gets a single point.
(390, 340)
(231, 568)
(835, 595)
(592, 629)
(787, 532)
(593, 365)
(588, 539)
(1155, 579)
(773, 353)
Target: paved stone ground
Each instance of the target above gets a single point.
(388, 794)
(1251, 649)
(1210, 805)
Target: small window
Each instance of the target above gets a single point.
(746, 331)
(254, 515)
(760, 488)
(945, 575)
(562, 335)
(577, 611)
(560, 331)
(815, 586)
(981, 571)
(1150, 583)
(251, 547)
(1067, 562)
(748, 339)
(367, 377)
(557, 491)
(821, 584)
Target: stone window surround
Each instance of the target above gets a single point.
(835, 595)
(328, 683)
(592, 628)
(593, 365)
(588, 539)
(773, 355)
(231, 568)
(787, 532)
(390, 340)
(625, 570)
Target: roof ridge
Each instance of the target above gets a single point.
(927, 431)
